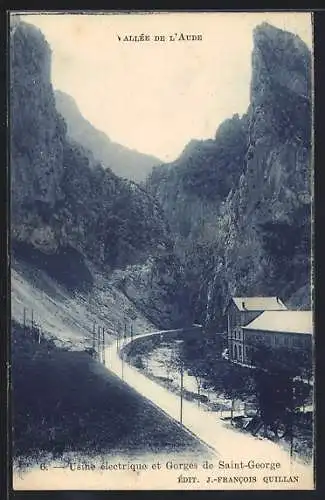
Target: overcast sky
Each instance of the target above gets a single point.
(156, 97)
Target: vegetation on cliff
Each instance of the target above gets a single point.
(123, 161)
(239, 205)
(230, 215)
(61, 198)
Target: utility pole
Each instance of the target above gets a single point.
(24, 319)
(131, 331)
(94, 337)
(182, 376)
(32, 320)
(118, 335)
(125, 330)
(98, 342)
(103, 346)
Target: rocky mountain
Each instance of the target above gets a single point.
(239, 204)
(230, 215)
(192, 188)
(268, 215)
(122, 161)
(71, 217)
(58, 201)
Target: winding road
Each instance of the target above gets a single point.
(225, 443)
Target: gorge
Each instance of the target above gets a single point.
(232, 215)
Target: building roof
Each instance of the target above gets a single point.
(259, 303)
(283, 322)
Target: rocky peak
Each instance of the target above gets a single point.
(262, 161)
(279, 133)
(281, 61)
(36, 128)
(281, 48)
(58, 201)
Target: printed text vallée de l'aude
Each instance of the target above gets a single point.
(174, 37)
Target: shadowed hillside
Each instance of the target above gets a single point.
(122, 161)
(239, 204)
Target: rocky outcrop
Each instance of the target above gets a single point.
(123, 161)
(200, 179)
(250, 188)
(63, 202)
(37, 131)
(268, 214)
(231, 215)
(158, 290)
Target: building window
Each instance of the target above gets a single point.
(296, 342)
(239, 351)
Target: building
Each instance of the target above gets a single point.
(240, 312)
(276, 329)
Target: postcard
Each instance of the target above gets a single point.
(161, 170)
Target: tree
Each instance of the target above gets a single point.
(278, 378)
(199, 385)
(176, 362)
(235, 385)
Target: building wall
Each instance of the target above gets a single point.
(237, 319)
(274, 340)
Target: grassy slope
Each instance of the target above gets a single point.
(69, 317)
(65, 401)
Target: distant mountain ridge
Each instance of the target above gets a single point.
(62, 200)
(123, 161)
(230, 216)
(71, 217)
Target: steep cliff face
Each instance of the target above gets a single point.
(192, 188)
(268, 214)
(192, 191)
(231, 215)
(123, 161)
(64, 204)
(250, 188)
(37, 131)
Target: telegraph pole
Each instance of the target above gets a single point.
(94, 337)
(182, 376)
(118, 334)
(98, 342)
(103, 346)
(125, 330)
(122, 357)
(24, 319)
